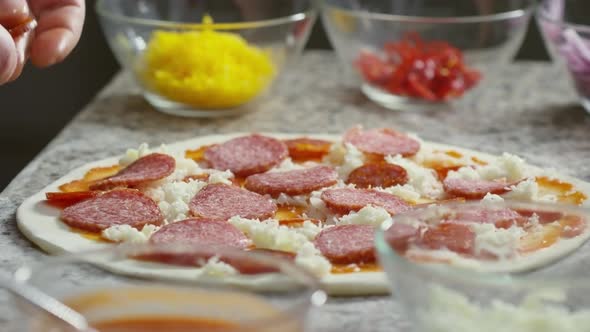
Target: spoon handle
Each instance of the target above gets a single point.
(47, 304)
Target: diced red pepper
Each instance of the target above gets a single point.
(430, 70)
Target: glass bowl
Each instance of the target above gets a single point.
(565, 26)
(141, 289)
(554, 296)
(411, 55)
(206, 58)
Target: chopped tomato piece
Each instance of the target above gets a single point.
(413, 67)
(65, 199)
(302, 149)
(95, 174)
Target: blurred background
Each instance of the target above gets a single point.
(37, 106)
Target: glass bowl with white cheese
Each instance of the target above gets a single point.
(525, 276)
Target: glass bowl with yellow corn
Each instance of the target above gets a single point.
(206, 58)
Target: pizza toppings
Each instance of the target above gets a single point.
(295, 182)
(383, 141)
(65, 199)
(501, 218)
(381, 182)
(400, 236)
(455, 237)
(475, 189)
(255, 267)
(572, 226)
(302, 149)
(116, 207)
(247, 155)
(347, 244)
(201, 232)
(206, 235)
(152, 167)
(378, 175)
(221, 202)
(343, 200)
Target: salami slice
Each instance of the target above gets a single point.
(221, 202)
(501, 218)
(307, 148)
(378, 175)
(475, 189)
(201, 232)
(343, 200)
(247, 155)
(208, 236)
(116, 207)
(382, 141)
(455, 237)
(400, 236)
(296, 182)
(257, 267)
(150, 168)
(347, 244)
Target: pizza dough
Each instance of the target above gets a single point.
(39, 222)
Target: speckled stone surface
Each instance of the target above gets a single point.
(531, 111)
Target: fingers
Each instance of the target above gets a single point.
(12, 53)
(59, 27)
(8, 57)
(13, 12)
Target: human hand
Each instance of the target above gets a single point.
(58, 31)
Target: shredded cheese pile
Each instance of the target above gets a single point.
(205, 69)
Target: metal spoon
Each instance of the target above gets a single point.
(48, 304)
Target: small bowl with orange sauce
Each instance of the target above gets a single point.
(526, 273)
(155, 289)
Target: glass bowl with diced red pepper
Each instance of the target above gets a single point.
(409, 54)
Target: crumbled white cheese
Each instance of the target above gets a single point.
(311, 259)
(492, 198)
(173, 198)
(184, 168)
(336, 154)
(540, 311)
(528, 190)
(220, 177)
(423, 180)
(133, 154)
(216, 268)
(128, 234)
(269, 234)
(507, 166)
(317, 207)
(347, 156)
(286, 165)
(284, 199)
(406, 192)
(503, 243)
(368, 215)
(308, 229)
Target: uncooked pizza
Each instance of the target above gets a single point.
(313, 199)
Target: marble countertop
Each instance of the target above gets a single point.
(531, 111)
